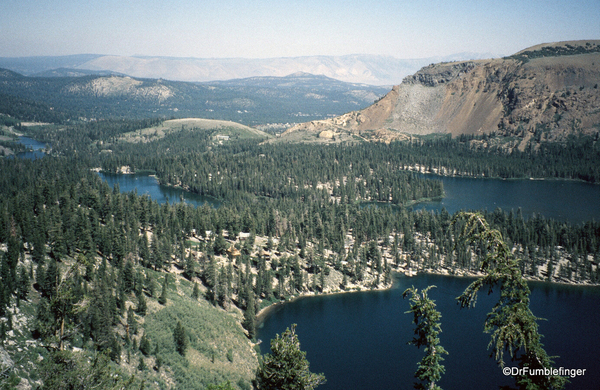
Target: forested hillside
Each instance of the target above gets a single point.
(290, 99)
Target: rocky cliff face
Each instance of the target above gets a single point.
(434, 75)
(545, 92)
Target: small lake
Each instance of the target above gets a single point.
(38, 148)
(563, 200)
(359, 340)
(148, 185)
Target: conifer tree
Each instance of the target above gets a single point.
(222, 289)
(286, 367)
(144, 250)
(141, 305)
(163, 295)
(39, 247)
(196, 291)
(150, 284)
(512, 324)
(101, 316)
(50, 281)
(128, 277)
(156, 257)
(23, 286)
(43, 321)
(131, 322)
(190, 267)
(180, 338)
(220, 245)
(3, 330)
(145, 345)
(373, 257)
(250, 315)
(211, 278)
(427, 329)
(142, 365)
(298, 277)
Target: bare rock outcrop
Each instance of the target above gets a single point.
(543, 93)
(434, 75)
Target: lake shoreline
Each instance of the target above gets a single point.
(265, 311)
(350, 338)
(528, 278)
(364, 202)
(422, 171)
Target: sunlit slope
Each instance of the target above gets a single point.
(220, 129)
(546, 92)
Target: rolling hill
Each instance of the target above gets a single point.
(224, 129)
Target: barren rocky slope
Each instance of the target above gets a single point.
(547, 92)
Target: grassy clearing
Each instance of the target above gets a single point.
(218, 347)
(218, 350)
(231, 129)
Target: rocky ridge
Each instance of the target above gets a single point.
(122, 86)
(543, 93)
(433, 75)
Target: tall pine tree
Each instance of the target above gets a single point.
(180, 339)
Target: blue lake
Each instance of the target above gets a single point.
(148, 185)
(563, 200)
(38, 148)
(359, 340)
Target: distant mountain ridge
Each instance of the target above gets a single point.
(357, 68)
(68, 72)
(546, 92)
(29, 66)
(254, 101)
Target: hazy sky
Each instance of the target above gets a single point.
(283, 28)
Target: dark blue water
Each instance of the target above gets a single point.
(36, 146)
(359, 340)
(148, 185)
(563, 200)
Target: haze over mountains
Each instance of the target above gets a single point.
(546, 92)
(358, 68)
